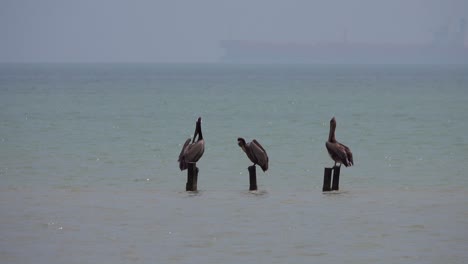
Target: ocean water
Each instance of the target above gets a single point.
(89, 173)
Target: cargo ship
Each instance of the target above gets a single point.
(445, 48)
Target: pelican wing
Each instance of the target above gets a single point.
(337, 152)
(187, 142)
(260, 154)
(258, 144)
(182, 161)
(349, 154)
(250, 154)
(194, 151)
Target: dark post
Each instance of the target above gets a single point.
(336, 178)
(327, 179)
(192, 177)
(253, 178)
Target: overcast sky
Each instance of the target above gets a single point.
(190, 30)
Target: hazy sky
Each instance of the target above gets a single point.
(190, 30)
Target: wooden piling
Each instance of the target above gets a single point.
(327, 179)
(336, 178)
(253, 178)
(192, 177)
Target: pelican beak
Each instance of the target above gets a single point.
(194, 134)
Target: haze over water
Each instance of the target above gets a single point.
(89, 174)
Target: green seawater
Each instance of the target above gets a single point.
(89, 172)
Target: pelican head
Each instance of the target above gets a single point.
(241, 142)
(333, 122)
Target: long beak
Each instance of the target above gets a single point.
(195, 134)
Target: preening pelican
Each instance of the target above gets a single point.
(192, 152)
(338, 152)
(255, 152)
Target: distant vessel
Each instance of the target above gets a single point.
(445, 48)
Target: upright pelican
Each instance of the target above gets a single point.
(255, 152)
(338, 152)
(192, 152)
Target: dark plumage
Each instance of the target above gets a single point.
(338, 152)
(255, 152)
(192, 152)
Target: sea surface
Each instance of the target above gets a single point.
(89, 172)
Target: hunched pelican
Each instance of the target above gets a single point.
(255, 152)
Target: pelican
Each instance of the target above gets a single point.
(255, 152)
(192, 152)
(338, 152)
